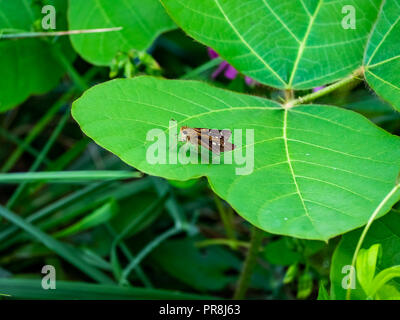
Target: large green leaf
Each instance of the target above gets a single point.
(382, 57)
(384, 231)
(319, 171)
(28, 66)
(142, 22)
(286, 44)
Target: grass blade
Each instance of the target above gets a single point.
(56, 246)
(32, 289)
(67, 176)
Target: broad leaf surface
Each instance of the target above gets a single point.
(142, 22)
(382, 58)
(28, 66)
(319, 171)
(385, 231)
(286, 44)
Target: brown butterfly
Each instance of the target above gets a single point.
(212, 139)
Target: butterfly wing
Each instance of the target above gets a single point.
(213, 145)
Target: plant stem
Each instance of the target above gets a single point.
(226, 218)
(78, 80)
(200, 69)
(150, 247)
(13, 138)
(366, 228)
(122, 234)
(172, 206)
(56, 246)
(289, 95)
(64, 202)
(257, 236)
(355, 76)
(228, 242)
(140, 273)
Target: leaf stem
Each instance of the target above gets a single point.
(228, 242)
(226, 218)
(78, 80)
(355, 76)
(366, 228)
(257, 236)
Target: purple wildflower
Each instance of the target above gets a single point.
(318, 89)
(229, 71)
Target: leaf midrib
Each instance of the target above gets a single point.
(289, 161)
(303, 43)
(278, 77)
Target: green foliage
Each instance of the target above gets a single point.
(284, 44)
(97, 217)
(291, 160)
(31, 289)
(322, 293)
(383, 53)
(324, 161)
(371, 273)
(203, 269)
(288, 251)
(29, 66)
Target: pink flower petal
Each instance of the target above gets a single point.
(318, 88)
(212, 54)
(231, 72)
(249, 81)
(223, 65)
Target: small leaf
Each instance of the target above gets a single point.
(382, 278)
(386, 232)
(142, 22)
(291, 273)
(365, 266)
(388, 292)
